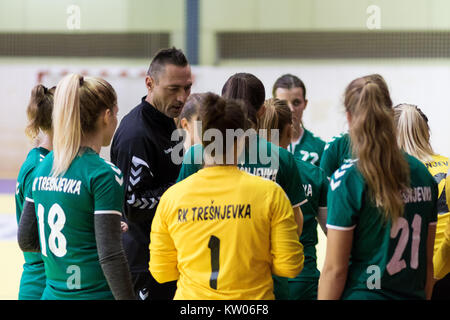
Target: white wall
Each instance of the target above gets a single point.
(426, 85)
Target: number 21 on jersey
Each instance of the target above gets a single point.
(57, 243)
(397, 263)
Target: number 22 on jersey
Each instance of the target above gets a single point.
(57, 243)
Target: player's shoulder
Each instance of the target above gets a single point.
(41, 161)
(418, 170)
(96, 165)
(284, 157)
(260, 185)
(132, 127)
(309, 168)
(439, 157)
(195, 150)
(34, 157)
(29, 164)
(346, 174)
(437, 161)
(305, 165)
(337, 140)
(179, 190)
(193, 157)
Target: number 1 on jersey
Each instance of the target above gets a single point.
(214, 245)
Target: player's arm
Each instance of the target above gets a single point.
(27, 235)
(322, 218)
(291, 183)
(328, 161)
(430, 269)
(343, 201)
(142, 191)
(287, 251)
(107, 186)
(112, 256)
(441, 259)
(334, 274)
(298, 214)
(163, 254)
(322, 211)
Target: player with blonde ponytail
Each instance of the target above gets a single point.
(77, 198)
(382, 208)
(414, 138)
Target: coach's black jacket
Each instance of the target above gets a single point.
(142, 149)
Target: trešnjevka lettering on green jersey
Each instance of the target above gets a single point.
(267, 173)
(417, 194)
(57, 184)
(213, 212)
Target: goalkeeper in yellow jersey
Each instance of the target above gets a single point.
(413, 136)
(222, 232)
(441, 258)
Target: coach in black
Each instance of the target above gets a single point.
(142, 148)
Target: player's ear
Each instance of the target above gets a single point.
(349, 118)
(184, 123)
(106, 117)
(149, 83)
(306, 104)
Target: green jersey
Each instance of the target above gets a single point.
(315, 185)
(309, 147)
(388, 261)
(23, 188)
(65, 208)
(337, 152)
(32, 282)
(257, 160)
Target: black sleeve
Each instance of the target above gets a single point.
(112, 256)
(28, 234)
(139, 165)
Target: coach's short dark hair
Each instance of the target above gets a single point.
(166, 56)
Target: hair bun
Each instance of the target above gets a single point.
(38, 94)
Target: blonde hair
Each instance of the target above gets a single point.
(413, 132)
(277, 115)
(373, 139)
(39, 111)
(78, 103)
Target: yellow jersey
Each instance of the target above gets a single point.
(441, 259)
(438, 168)
(222, 233)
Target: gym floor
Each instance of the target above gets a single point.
(12, 258)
